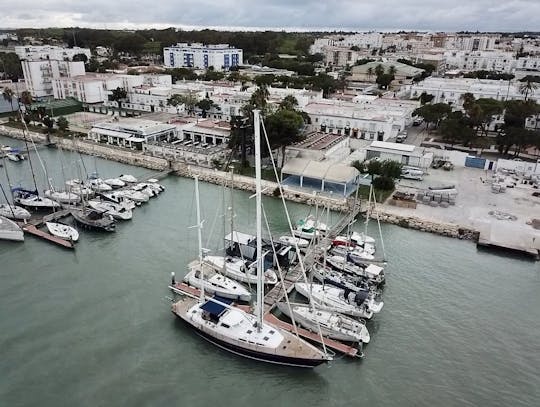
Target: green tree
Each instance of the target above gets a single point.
(379, 70)
(264, 80)
(374, 167)
(118, 95)
(8, 96)
(384, 80)
(26, 99)
(455, 128)
(527, 87)
(392, 70)
(391, 169)
(80, 58)
(289, 102)
(62, 123)
(433, 113)
(206, 105)
(283, 129)
(369, 72)
(189, 101)
(426, 98)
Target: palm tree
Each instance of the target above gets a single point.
(379, 70)
(369, 72)
(26, 98)
(526, 87)
(8, 96)
(392, 70)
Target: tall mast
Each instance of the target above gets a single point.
(260, 302)
(28, 151)
(199, 236)
(232, 204)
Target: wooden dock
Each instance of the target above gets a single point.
(33, 230)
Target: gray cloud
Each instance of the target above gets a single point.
(483, 15)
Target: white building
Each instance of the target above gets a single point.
(40, 75)
(500, 61)
(364, 41)
(368, 117)
(447, 90)
(196, 55)
(131, 133)
(204, 132)
(37, 52)
(406, 154)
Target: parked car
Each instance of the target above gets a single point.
(417, 122)
(401, 138)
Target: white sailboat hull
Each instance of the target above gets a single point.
(9, 230)
(327, 300)
(294, 241)
(238, 270)
(215, 283)
(63, 197)
(62, 231)
(14, 212)
(331, 324)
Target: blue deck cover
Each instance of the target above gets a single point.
(213, 308)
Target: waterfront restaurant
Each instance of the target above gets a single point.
(321, 176)
(131, 133)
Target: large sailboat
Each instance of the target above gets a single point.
(235, 330)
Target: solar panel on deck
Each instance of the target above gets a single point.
(215, 308)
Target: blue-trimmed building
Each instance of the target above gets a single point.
(219, 56)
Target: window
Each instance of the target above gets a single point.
(266, 338)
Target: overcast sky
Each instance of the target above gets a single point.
(449, 15)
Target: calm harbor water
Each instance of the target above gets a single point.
(93, 327)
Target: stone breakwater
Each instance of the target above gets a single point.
(439, 228)
(243, 183)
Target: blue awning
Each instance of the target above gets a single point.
(215, 308)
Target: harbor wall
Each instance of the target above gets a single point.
(243, 183)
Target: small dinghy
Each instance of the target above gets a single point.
(62, 231)
(128, 178)
(9, 230)
(294, 241)
(14, 212)
(115, 182)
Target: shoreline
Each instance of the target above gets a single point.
(241, 182)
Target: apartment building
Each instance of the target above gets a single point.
(218, 56)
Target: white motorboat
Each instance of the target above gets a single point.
(15, 157)
(372, 272)
(74, 183)
(144, 189)
(156, 182)
(338, 279)
(117, 211)
(63, 196)
(354, 244)
(353, 252)
(115, 182)
(135, 196)
(9, 230)
(82, 191)
(14, 212)
(62, 231)
(215, 283)
(98, 185)
(306, 233)
(309, 222)
(356, 304)
(128, 178)
(119, 199)
(332, 324)
(294, 241)
(30, 199)
(240, 270)
(361, 238)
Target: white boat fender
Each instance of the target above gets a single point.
(173, 278)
